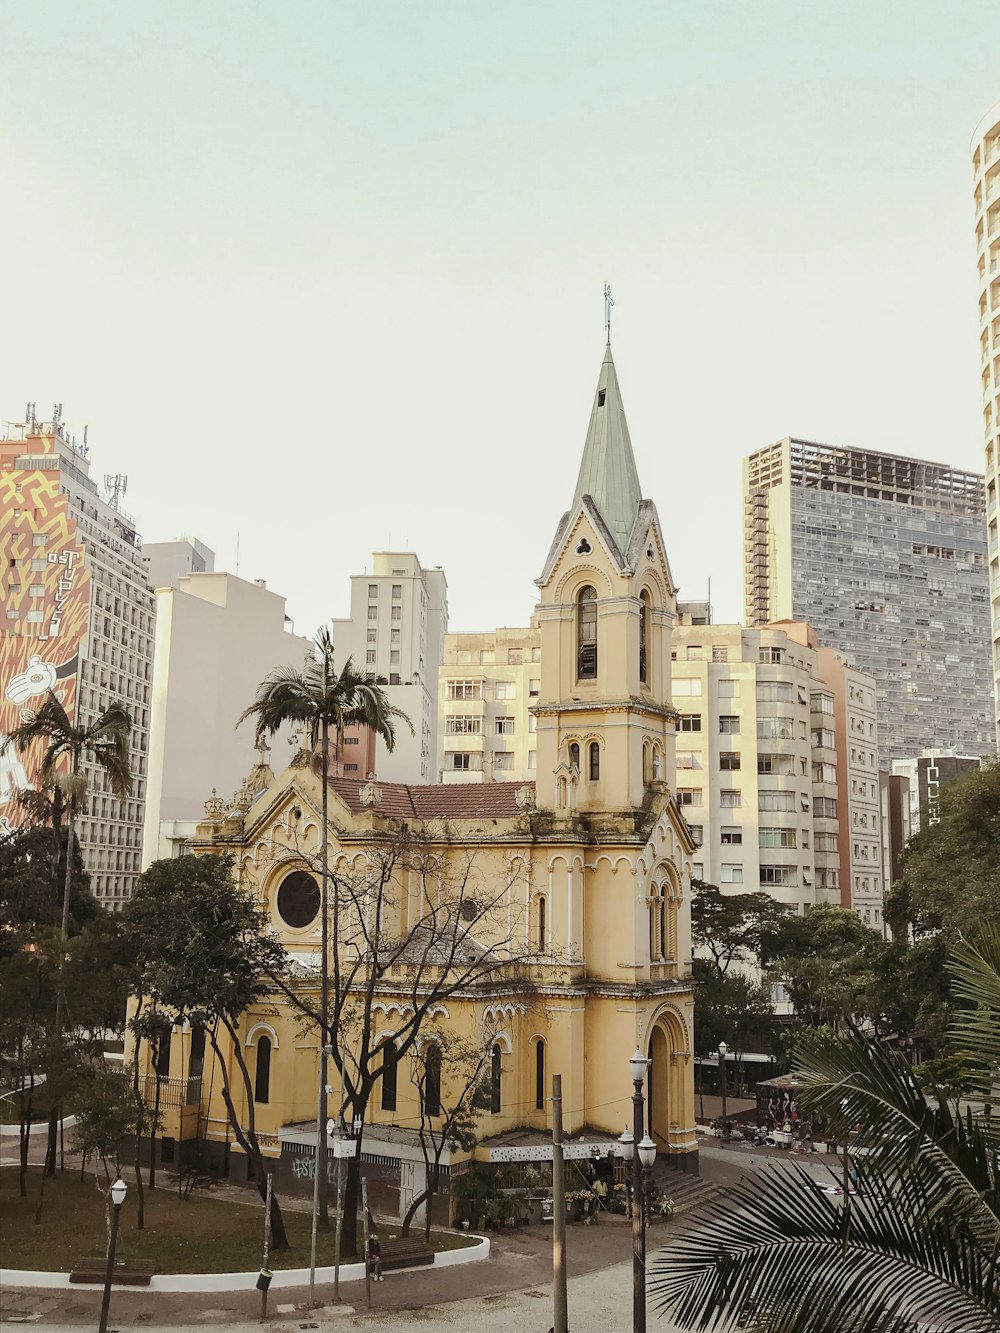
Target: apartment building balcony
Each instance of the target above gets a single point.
(174, 1093)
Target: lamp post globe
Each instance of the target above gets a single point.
(647, 1152)
(627, 1145)
(638, 1064)
(118, 1191)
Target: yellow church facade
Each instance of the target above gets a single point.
(581, 880)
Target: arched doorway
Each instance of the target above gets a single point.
(658, 1087)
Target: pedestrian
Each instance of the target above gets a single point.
(375, 1257)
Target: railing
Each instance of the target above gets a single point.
(174, 1093)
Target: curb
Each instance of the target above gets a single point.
(287, 1277)
(13, 1131)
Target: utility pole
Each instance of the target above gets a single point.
(560, 1322)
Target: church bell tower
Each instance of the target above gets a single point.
(607, 605)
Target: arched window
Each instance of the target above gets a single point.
(574, 755)
(161, 1050)
(586, 634)
(432, 1080)
(664, 937)
(389, 1067)
(595, 761)
(644, 637)
(496, 1074)
(654, 930)
(541, 923)
(262, 1078)
(539, 1075)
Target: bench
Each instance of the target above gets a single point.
(127, 1272)
(408, 1253)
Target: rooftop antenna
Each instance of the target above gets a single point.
(116, 486)
(57, 414)
(608, 303)
(29, 414)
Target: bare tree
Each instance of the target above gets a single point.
(448, 1108)
(418, 919)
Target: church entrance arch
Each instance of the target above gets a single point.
(664, 1087)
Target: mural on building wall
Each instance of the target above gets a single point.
(46, 617)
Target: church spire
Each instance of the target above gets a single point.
(608, 472)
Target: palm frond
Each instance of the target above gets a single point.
(975, 971)
(853, 1082)
(773, 1254)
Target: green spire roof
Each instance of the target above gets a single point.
(608, 473)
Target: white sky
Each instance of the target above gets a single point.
(329, 275)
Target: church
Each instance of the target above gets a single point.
(581, 881)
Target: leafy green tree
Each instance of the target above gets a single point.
(106, 741)
(828, 960)
(736, 928)
(915, 1248)
(950, 878)
(326, 702)
(203, 951)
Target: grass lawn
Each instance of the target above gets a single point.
(203, 1235)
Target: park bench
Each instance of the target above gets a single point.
(408, 1253)
(127, 1272)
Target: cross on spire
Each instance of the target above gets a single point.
(608, 303)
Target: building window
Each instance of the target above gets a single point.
(432, 1080)
(370, 657)
(822, 703)
(373, 636)
(729, 761)
(496, 1076)
(533, 688)
(39, 539)
(729, 725)
(574, 755)
(394, 636)
(644, 637)
(540, 939)
(825, 807)
(505, 726)
(771, 656)
(515, 656)
(697, 833)
(397, 613)
(397, 592)
(389, 1069)
(731, 874)
(774, 691)
(784, 877)
(729, 796)
(372, 591)
(782, 765)
(262, 1076)
(719, 653)
(463, 726)
(464, 689)
(689, 796)
(505, 689)
(532, 757)
(539, 1075)
(373, 613)
(777, 837)
(460, 763)
(394, 657)
(595, 761)
(487, 656)
(690, 722)
(776, 800)
(775, 729)
(586, 633)
(503, 761)
(298, 899)
(731, 837)
(686, 686)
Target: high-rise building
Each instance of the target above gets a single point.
(488, 684)
(217, 637)
(776, 767)
(78, 620)
(926, 775)
(986, 195)
(885, 557)
(167, 561)
(396, 629)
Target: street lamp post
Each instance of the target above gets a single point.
(118, 1192)
(638, 1149)
(723, 1049)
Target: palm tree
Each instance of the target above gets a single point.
(326, 702)
(106, 740)
(917, 1247)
